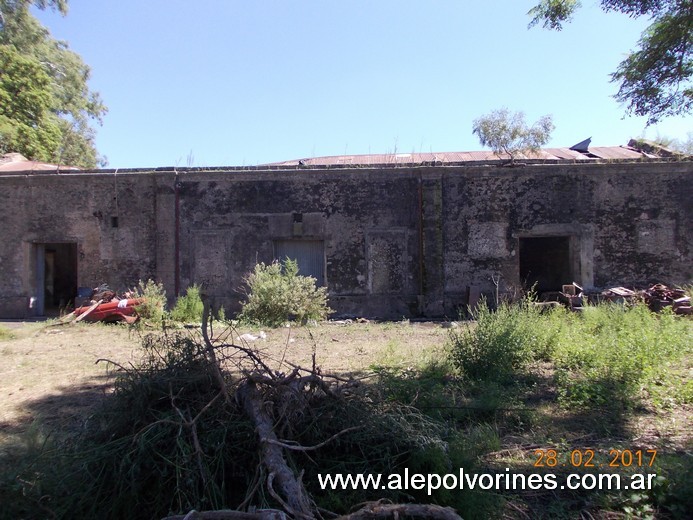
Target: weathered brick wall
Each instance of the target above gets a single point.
(367, 220)
(631, 223)
(38, 209)
(398, 241)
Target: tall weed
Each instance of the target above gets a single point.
(606, 356)
(154, 294)
(610, 353)
(504, 341)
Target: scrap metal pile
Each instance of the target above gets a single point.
(657, 297)
(106, 306)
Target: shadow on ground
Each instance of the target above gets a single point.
(498, 426)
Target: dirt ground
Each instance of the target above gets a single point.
(50, 382)
(49, 373)
(53, 374)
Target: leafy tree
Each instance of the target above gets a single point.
(26, 122)
(655, 79)
(71, 106)
(507, 133)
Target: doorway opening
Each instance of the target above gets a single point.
(545, 262)
(56, 277)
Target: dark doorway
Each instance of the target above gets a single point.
(545, 262)
(56, 265)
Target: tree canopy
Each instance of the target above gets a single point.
(51, 119)
(507, 132)
(655, 79)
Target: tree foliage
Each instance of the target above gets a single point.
(655, 79)
(60, 129)
(507, 132)
(26, 122)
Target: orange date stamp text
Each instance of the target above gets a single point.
(589, 458)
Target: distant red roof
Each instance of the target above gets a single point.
(556, 154)
(15, 162)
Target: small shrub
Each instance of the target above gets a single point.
(503, 342)
(155, 300)
(278, 294)
(188, 308)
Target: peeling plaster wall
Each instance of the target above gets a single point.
(398, 241)
(39, 209)
(367, 221)
(628, 223)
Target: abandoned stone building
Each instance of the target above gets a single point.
(390, 236)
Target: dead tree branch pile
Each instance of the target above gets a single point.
(273, 401)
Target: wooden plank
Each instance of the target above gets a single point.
(87, 312)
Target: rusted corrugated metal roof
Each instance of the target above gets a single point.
(14, 162)
(619, 152)
(553, 154)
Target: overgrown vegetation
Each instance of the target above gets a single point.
(277, 294)
(516, 380)
(154, 306)
(614, 355)
(590, 375)
(608, 355)
(169, 441)
(188, 308)
(504, 341)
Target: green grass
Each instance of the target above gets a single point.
(5, 334)
(612, 355)
(511, 382)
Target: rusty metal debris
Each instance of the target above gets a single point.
(106, 306)
(657, 297)
(660, 296)
(572, 296)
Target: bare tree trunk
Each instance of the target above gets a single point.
(294, 494)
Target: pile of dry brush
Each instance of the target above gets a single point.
(206, 429)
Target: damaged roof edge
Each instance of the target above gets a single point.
(599, 154)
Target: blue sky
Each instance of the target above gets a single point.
(226, 82)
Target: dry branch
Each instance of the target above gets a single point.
(271, 454)
(272, 401)
(372, 511)
(378, 510)
(260, 514)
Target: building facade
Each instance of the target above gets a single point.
(387, 240)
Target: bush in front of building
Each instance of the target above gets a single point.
(154, 306)
(504, 342)
(277, 294)
(189, 307)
